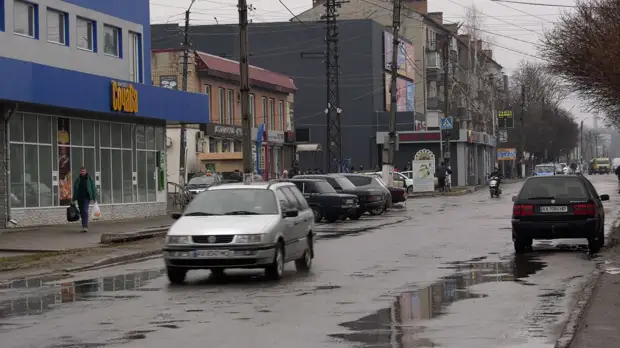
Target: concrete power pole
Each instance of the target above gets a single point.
(245, 90)
(445, 152)
(183, 142)
(581, 143)
(388, 167)
(522, 124)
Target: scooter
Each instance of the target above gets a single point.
(494, 188)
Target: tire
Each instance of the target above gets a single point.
(275, 270)
(218, 272)
(176, 275)
(332, 218)
(594, 245)
(356, 216)
(318, 216)
(410, 190)
(521, 244)
(304, 263)
(378, 211)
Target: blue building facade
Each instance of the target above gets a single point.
(77, 92)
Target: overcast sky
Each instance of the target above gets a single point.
(513, 29)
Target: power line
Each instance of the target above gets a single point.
(535, 4)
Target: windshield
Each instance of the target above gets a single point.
(344, 183)
(323, 187)
(234, 201)
(554, 188)
(201, 181)
(602, 161)
(544, 169)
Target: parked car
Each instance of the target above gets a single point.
(370, 198)
(558, 206)
(371, 181)
(259, 225)
(397, 193)
(324, 201)
(200, 183)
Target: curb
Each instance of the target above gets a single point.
(114, 260)
(113, 238)
(574, 319)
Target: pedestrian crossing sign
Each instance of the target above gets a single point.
(446, 123)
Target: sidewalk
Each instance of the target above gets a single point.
(458, 190)
(600, 324)
(55, 238)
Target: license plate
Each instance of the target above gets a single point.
(349, 201)
(211, 253)
(554, 209)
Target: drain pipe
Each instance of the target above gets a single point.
(7, 114)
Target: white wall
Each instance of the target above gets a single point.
(173, 152)
(71, 58)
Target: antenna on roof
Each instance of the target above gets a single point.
(216, 21)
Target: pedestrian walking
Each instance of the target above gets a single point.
(84, 191)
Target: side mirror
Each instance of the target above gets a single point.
(291, 213)
(176, 216)
(604, 197)
(514, 198)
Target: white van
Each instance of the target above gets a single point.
(615, 163)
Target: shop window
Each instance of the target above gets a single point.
(142, 174)
(104, 133)
(16, 127)
(77, 162)
(117, 176)
(88, 133)
(31, 172)
(45, 129)
(150, 176)
(225, 146)
(127, 177)
(46, 193)
(140, 138)
(106, 177)
(76, 132)
(30, 128)
(212, 145)
(18, 198)
(160, 139)
(89, 161)
(116, 130)
(150, 138)
(238, 146)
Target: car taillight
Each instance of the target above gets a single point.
(587, 209)
(522, 210)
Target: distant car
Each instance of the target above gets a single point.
(553, 207)
(370, 198)
(369, 181)
(600, 166)
(324, 201)
(397, 193)
(259, 225)
(544, 170)
(200, 183)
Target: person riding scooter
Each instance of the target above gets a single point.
(495, 189)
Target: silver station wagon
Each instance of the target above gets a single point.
(257, 225)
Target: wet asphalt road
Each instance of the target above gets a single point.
(447, 277)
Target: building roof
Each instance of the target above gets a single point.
(257, 74)
(229, 69)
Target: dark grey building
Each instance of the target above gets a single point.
(297, 50)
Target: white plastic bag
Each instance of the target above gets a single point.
(96, 211)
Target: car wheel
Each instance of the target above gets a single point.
(332, 218)
(378, 211)
(176, 275)
(218, 272)
(304, 263)
(410, 190)
(521, 244)
(275, 270)
(317, 214)
(356, 216)
(594, 245)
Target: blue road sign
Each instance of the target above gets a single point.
(446, 123)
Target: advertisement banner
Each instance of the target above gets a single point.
(506, 154)
(65, 182)
(410, 96)
(423, 176)
(402, 54)
(409, 51)
(401, 95)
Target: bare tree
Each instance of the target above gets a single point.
(583, 48)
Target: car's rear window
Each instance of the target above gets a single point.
(544, 169)
(554, 187)
(602, 161)
(359, 180)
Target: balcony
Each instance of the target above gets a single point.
(434, 75)
(433, 61)
(431, 46)
(434, 103)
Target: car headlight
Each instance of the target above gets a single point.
(248, 238)
(178, 239)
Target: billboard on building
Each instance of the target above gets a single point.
(405, 94)
(410, 96)
(387, 52)
(410, 52)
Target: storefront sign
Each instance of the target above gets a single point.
(124, 97)
(505, 119)
(507, 154)
(417, 137)
(289, 137)
(224, 130)
(275, 137)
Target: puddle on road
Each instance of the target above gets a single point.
(397, 325)
(46, 297)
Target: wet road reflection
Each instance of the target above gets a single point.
(398, 325)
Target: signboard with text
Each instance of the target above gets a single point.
(505, 119)
(506, 154)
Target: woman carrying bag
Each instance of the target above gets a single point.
(84, 191)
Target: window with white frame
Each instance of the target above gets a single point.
(272, 113)
(281, 114)
(56, 27)
(230, 108)
(85, 30)
(252, 109)
(221, 104)
(207, 91)
(111, 41)
(135, 75)
(264, 119)
(24, 18)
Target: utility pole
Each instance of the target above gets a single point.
(388, 167)
(581, 143)
(522, 130)
(245, 91)
(183, 142)
(445, 150)
(333, 153)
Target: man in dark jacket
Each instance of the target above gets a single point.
(442, 171)
(84, 191)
